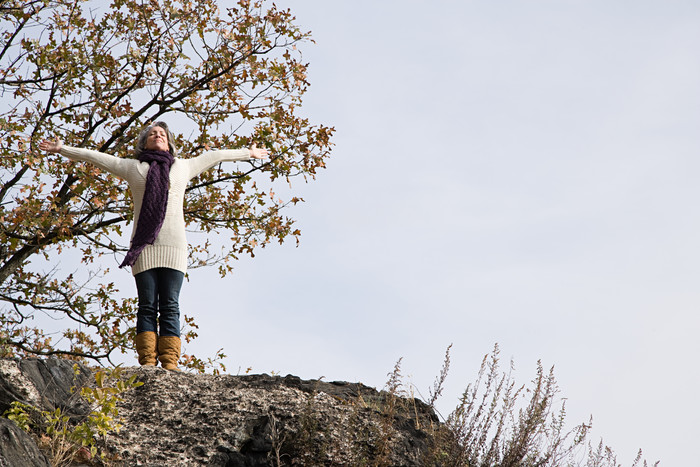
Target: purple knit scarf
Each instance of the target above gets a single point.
(154, 205)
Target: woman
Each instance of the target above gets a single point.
(158, 252)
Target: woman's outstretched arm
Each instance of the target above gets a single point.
(209, 159)
(114, 165)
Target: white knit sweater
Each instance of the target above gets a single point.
(170, 248)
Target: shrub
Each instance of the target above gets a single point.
(68, 441)
(500, 423)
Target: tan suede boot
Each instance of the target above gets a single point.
(146, 348)
(169, 352)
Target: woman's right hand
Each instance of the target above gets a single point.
(51, 146)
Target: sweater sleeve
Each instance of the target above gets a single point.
(114, 165)
(209, 159)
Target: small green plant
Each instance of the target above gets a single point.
(19, 413)
(66, 440)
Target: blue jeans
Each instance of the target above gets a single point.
(159, 294)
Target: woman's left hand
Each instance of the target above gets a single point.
(257, 153)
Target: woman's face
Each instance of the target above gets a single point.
(157, 139)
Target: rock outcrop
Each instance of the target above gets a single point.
(184, 419)
(44, 384)
(17, 448)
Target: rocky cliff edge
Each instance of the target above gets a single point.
(182, 419)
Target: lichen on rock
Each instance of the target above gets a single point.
(178, 418)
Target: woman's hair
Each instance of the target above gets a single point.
(141, 143)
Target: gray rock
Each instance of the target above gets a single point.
(183, 419)
(17, 448)
(45, 384)
(54, 380)
(261, 420)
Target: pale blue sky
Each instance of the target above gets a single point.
(505, 171)
(513, 172)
